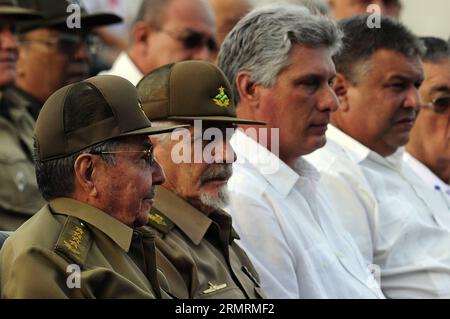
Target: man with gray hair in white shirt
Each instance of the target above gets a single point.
(279, 61)
(399, 224)
(428, 151)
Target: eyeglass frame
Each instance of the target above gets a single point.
(55, 42)
(150, 159)
(432, 105)
(210, 42)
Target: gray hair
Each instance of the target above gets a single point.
(56, 178)
(262, 41)
(436, 50)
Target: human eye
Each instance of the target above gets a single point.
(398, 85)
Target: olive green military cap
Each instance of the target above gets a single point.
(9, 8)
(187, 91)
(55, 15)
(114, 111)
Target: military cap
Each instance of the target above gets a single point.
(56, 15)
(188, 91)
(116, 112)
(9, 8)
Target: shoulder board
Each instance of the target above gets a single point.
(74, 241)
(157, 220)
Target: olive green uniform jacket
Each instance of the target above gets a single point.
(197, 255)
(19, 194)
(41, 258)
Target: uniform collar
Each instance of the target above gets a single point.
(22, 98)
(192, 222)
(120, 233)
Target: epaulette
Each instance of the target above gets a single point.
(74, 241)
(160, 222)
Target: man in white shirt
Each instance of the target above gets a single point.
(428, 152)
(399, 225)
(279, 207)
(167, 31)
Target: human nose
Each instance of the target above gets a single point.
(328, 100)
(158, 176)
(202, 53)
(82, 52)
(413, 99)
(8, 39)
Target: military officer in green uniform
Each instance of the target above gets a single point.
(18, 191)
(46, 48)
(197, 251)
(95, 167)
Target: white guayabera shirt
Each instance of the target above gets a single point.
(428, 177)
(124, 67)
(399, 224)
(288, 228)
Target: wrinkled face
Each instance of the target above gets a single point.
(127, 189)
(8, 52)
(300, 102)
(186, 33)
(347, 8)
(201, 182)
(384, 103)
(430, 138)
(49, 60)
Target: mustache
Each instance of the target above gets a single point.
(216, 172)
(152, 193)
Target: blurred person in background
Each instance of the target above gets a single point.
(228, 13)
(347, 8)
(167, 31)
(18, 194)
(114, 38)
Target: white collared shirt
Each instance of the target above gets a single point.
(431, 179)
(124, 67)
(287, 227)
(399, 224)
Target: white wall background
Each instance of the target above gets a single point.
(427, 17)
(423, 17)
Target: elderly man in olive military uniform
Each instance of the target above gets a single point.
(197, 251)
(44, 65)
(95, 167)
(15, 169)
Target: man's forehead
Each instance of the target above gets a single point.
(394, 64)
(194, 15)
(306, 60)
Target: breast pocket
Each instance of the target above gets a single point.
(19, 191)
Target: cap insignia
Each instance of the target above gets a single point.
(222, 99)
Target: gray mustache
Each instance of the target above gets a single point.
(217, 172)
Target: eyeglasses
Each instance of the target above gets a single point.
(439, 105)
(193, 40)
(149, 158)
(67, 43)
